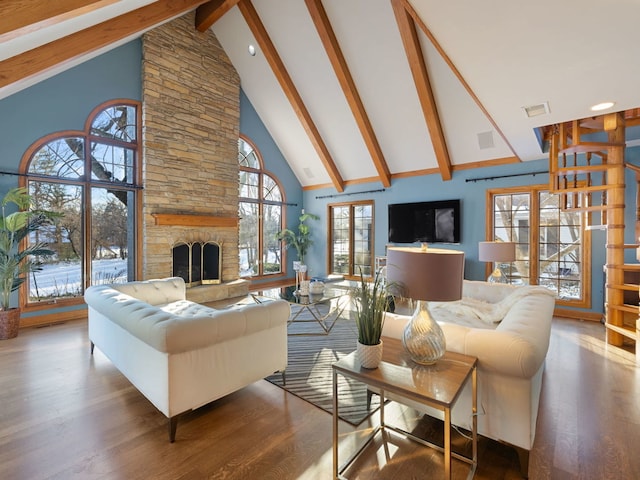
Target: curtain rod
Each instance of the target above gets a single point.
(506, 176)
(97, 183)
(351, 193)
(4, 172)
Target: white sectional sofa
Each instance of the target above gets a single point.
(508, 329)
(179, 354)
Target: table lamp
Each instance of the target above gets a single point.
(497, 252)
(425, 274)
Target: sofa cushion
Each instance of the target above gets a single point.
(183, 326)
(155, 292)
(187, 308)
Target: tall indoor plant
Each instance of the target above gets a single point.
(16, 260)
(371, 300)
(300, 240)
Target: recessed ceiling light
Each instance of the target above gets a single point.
(602, 106)
(252, 50)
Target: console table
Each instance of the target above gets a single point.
(437, 386)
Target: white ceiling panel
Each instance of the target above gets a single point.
(370, 41)
(459, 113)
(295, 37)
(263, 90)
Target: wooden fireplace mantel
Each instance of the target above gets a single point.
(187, 220)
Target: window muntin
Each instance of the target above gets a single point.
(117, 122)
(63, 158)
(111, 163)
(340, 239)
(249, 185)
(56, 180)
(351, 238)
(550, 242)
(261, 215)
(247, 155)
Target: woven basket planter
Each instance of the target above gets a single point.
(9, 323)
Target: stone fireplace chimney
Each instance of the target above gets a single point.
(191, 117)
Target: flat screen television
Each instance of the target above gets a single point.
(429, 222)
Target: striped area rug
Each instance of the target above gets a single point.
(309, 372)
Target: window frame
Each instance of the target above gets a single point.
(87, 184)
(261, 202)
(351, 275)
(535, 231)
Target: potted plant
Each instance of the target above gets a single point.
(15, 259)
(301, 240)
(371, 301)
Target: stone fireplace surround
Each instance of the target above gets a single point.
(191, 118)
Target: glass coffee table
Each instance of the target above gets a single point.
(323, 308)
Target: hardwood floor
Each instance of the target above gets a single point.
(67, 415)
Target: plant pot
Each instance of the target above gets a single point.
(369, 356)
(9, 323)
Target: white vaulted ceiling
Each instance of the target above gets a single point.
(485, 61)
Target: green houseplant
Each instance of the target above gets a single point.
(300, 240)
(371, 300)
(15, 258)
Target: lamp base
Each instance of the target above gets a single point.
(423, 339)
(497, 277)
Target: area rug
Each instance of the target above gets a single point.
(309, 372)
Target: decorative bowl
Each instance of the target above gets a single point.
(316, 288)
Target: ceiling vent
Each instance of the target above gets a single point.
(485, 140)
(308, 172)
(536, 110)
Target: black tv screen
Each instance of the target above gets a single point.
(428, 222)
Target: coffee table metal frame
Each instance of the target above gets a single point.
(396, 374)
(310, 303)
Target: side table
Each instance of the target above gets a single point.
(437, 386)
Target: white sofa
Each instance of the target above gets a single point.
(179, 354)
(508, 329)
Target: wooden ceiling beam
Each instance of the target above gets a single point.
(420, 74)
(209, 13)
(24, 16)
(456, 72)
(286, 83)
(341, 69)
(66, 49)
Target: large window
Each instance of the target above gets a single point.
(92, 178)
(351, 233)
(260, 211)
(551, 243)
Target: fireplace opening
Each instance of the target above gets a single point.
(197, 263)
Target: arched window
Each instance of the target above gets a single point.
(260, 210)
(92, 177)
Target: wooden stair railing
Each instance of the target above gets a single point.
(589, 177)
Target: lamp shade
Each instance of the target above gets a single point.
(434, 274)
(497, 251)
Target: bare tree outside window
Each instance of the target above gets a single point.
(90, 179)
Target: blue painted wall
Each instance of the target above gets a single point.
(64, 101)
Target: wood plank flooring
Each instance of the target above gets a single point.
(67, 415)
